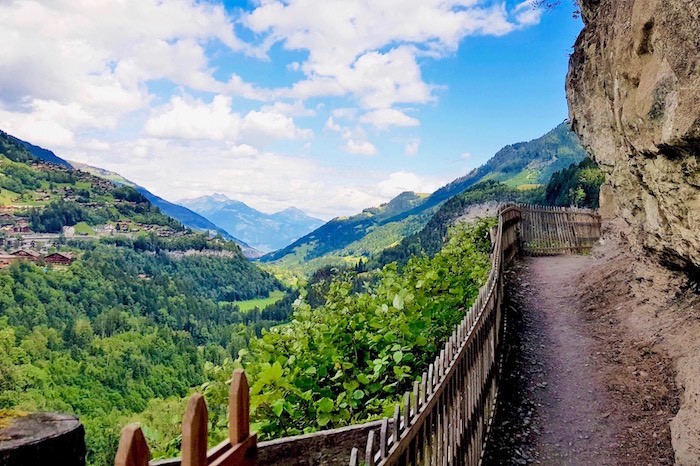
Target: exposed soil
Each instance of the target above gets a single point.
(587, 381)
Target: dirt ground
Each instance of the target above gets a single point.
(604, 365)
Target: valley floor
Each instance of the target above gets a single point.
(586, 383)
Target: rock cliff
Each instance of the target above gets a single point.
(634, 98)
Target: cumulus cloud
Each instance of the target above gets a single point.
(265, 180)
(90, 62)
(368, 49)
(526, 14)
(261, 127)
(187, 118)
(387, 117)
(401, 181)
(360, 147)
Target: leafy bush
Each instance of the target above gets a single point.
(350, 359)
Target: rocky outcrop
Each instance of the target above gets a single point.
(634, 98)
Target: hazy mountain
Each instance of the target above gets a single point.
(265, 232)
(521, 166)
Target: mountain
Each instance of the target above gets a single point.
(522, 167)
(265, 232)
(344, 239)
(40, 153)
(184, 215)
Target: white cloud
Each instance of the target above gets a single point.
(266, 180)
(89, 62)
(401, 181)
(466, 156)
(360, 147)
(293, 109)
(261, 127)
(368, 48)
(526, 14)
(187, 118)
(387, 117)
(411, 148)
(345, 113)
(331, 125)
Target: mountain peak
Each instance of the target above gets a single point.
(265, 232)
(219, 197)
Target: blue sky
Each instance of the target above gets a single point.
(331, 106)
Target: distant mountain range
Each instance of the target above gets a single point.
(264, 232)
(523, 166)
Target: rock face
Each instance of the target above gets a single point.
(634, 98)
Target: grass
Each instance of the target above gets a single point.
(260, 303)
(6, 196)
(82, 228)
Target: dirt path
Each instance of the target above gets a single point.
(556, 405)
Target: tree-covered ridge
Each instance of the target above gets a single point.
(577, 185)
(52, 196)
(120, 330)
(430, 239)
(343, 231)
(522, 165)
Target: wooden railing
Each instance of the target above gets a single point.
(447, 417)
(445, 420)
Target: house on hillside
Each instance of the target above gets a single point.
(27, 254)
(7, 259)
(22, 227)
(60, 258)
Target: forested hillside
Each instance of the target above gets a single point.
(577, 185)
(344, 240)
(132, 317)
(348, 358)
(184, 215)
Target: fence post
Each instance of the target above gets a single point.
(194, 432)
(238, 408)
(133, 450)
(243, 450)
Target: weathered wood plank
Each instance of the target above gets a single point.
(133, 450)
(194, 432)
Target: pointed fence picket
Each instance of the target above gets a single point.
(238, 450)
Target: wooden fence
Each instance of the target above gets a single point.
(239, 450)
(446, 419)
(549, 230)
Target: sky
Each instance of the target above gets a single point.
(330, 106)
